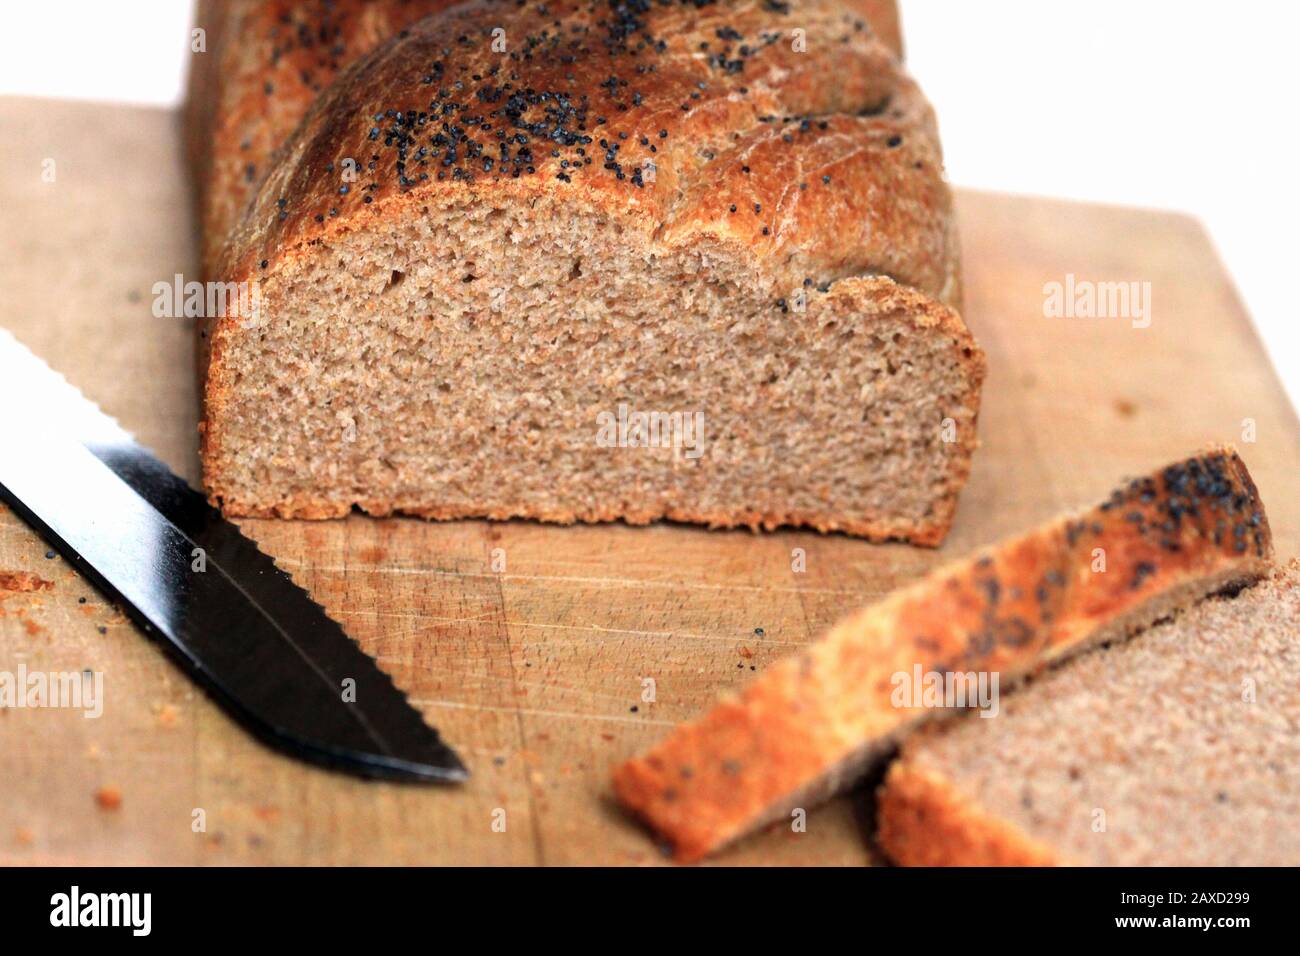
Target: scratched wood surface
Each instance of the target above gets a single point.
(535, 674)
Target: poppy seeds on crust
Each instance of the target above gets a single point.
(467, 126)
(287, 54)
(489, 122)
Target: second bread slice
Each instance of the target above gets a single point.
(813, 722)
(1178, 748)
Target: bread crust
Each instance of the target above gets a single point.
(831, 187)
(266, 62)
(810, 722)
(925, 821)
(201, 104)
(300, 203)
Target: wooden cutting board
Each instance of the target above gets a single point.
(535, 674)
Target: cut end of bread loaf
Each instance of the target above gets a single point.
(553, 295)
(1176, 749)
(438, 399)
(811, 724)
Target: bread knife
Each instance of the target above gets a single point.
(232, 620)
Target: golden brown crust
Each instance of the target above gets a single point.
(201, 101)
(925, 821)
(1010, 609)
(266, 62)
(884, 19)
(592, 78)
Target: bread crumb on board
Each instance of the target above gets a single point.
(23, 581)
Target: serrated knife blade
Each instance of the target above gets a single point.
(231, 618)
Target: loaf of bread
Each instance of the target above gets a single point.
(1180, 748)
(812, 723)
(586, 261)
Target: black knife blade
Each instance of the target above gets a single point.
(231, 618)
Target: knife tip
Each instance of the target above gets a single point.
(439, 764)
(451, 770)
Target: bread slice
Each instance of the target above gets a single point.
(812, 723)
(1179, 748)
(657, 209)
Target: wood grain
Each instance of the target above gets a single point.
(536, 672)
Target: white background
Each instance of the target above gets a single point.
(1179, 104)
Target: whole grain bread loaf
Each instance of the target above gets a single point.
(584, 261)
(1179, 748)
(812, 723)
